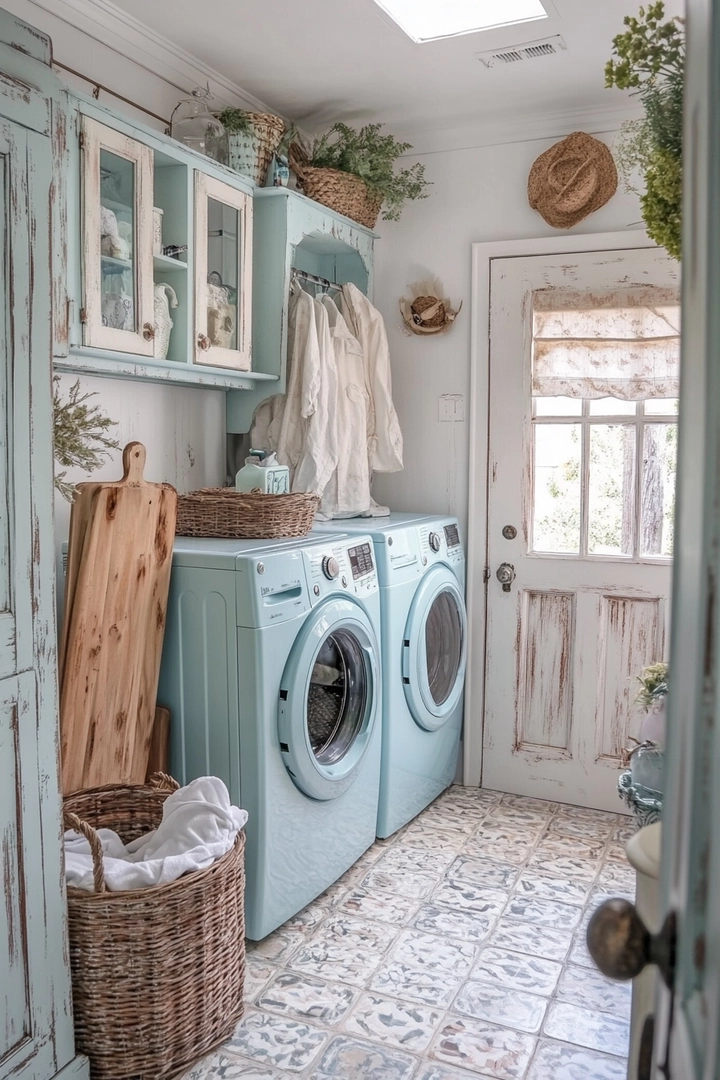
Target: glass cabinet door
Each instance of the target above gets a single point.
(223, 274)
(117, 241)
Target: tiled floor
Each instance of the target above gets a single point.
(454, 949)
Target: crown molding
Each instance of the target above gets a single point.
(509, 128)
(132, 39)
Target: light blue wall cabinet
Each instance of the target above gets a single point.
(36, 1031)
(293, 231)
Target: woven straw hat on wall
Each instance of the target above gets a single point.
(572, 179)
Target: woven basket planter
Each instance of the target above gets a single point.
(343, 192)
(251, 154)
(242, 515)
(157, 973)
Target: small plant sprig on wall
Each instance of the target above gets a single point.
(650, 58)
(80, 435)
(372, 156)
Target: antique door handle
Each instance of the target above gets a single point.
(621, 945)
(148, 331)
(203, 342)
(506, 575)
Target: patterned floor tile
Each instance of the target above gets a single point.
(596, 1031)
(222, 1066)
(571, 847)
(449, 817)
(556, 1062)
(440, 1072)
(564, 866)
(305, 998)
(432, 953)
(277, 946)
(345, 949)
(400, 1024)
(483, 1048)
(352, 1059)
(498, 845)
(531, 939)
(471, 796)
(564, 890)
(579, 951)
(468, 926)
(386, 906)
(307, 919)
(500, 1005)
(544, 912)
(512, 815)
(582, 829)
(586, 987)
(484, 872)
(617, 878)
(516, 970)
(624, 830)
(400, 882)
(276, 1041)
(415, 860)
(616, 852)
(523, 802)
(432, 838)
(436, 988)
(258, 974)
(463, 895)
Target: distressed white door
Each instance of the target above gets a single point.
(588, 487)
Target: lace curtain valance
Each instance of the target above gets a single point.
(623, 344)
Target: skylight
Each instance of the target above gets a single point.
(428, 20)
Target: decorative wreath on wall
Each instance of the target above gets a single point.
(425, 311)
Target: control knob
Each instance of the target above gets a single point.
(330, 567)
(434, 541)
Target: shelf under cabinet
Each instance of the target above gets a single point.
(111, 365)
(168, 264)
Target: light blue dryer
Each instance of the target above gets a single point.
(271, 671)
(421, 567)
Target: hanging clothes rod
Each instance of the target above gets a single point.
(313, 279)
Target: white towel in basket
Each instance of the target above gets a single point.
(199, 825)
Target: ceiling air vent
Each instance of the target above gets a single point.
(528, 51)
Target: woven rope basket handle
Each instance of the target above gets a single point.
(72, 821)
(162, 782)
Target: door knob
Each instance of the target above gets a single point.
(621, 945)
(506, 575)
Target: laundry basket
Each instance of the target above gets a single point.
(157, 973)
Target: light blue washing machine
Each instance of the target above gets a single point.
(421, 567)
(271, 671)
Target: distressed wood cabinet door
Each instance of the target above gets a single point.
(580, 508)
(36, 1032)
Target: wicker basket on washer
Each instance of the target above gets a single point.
(343, 192)
(245, 515)
(157, 973)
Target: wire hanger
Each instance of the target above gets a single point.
(313, 279)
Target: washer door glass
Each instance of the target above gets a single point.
(443, 645)
(435, 649)
(329, 698)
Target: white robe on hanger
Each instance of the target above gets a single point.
(348, 491)
(300, 425)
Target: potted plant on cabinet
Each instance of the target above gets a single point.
(353, 172)
(253, 140)
(650, 59)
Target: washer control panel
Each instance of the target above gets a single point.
(362, 560)
(440, 541)
(346, 565)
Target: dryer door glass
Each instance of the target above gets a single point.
(337, 697)
(443, 646)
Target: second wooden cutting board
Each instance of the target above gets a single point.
(115, 629)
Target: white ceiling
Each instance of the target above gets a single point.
(316, 61)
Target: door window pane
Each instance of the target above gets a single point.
(611, 489)
(337, 699)
(658, 489)
(223, 272)
(557, 406)
(661, 407)
(556, 507)
(610, 406)
(117, 241)
(443, 646)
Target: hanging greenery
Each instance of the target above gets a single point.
(650, 59)
(372, 156)
(80, 436)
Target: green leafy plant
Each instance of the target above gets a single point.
(80, 435)
(650, 59)
(236, 121)
(654, 685)
(372, 156)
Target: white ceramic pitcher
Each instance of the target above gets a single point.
(163, 322)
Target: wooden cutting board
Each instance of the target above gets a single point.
(114, 626)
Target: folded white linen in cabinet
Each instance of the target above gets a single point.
(199, 825)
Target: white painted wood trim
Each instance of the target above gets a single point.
(240, 359)
(482, 256)
(98, 137)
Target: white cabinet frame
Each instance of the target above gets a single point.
(207, 187)
(97, 137)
